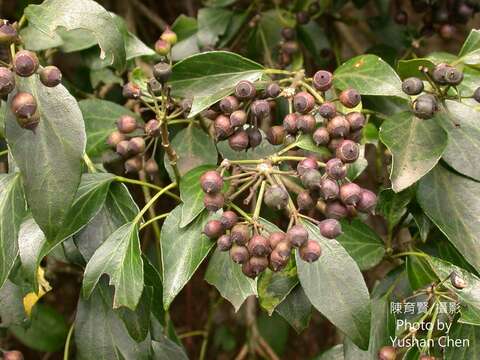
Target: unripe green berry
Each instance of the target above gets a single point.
(330, 228)
(211, 182)
(245, 90)
(7, 81)
(412, 86)
(126, 124)
(310, 251)
(350, 98)
(25, 63)
(303, 102)
(50, 76)
(213, 229)
(169, 36)
(322, 80)
(336, 169)
(297, 235)
(162, 47)
(276, 197)
(213, 201)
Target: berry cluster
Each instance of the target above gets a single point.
(442, 17)
(24, 64)
(441, 79)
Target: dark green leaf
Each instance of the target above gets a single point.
(183, 250)
(335, 287)
(166, 349)
(334, 353)
(138, 322)
(212, 23)
(423, 223)
(100, 120)
(369, 75)
(362, 243)
(47, 331)
(356, 168)
(70, 15)
(50, 160)
(393, 206)
(134, 47)
(451, 202)
(12, 212)
(229, 279)
(12, 311)
(102, 76)
(192, 194)
(210, 76)
(412, 67)
(315, 41)
(470, 52)
(153, 280)
(463, 149)
(237, 21)
(305, 142)
(469, 338)
(194, 148)
(419, 272)
(296, 309)
(416, 146)
(186, 29)
(119, 257)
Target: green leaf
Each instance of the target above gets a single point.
(335, 287)
(210, 76)
(70, 15)
(416, 146)
(229, 279)
(113, 341)
(356, 168)
(100, 118)
(118, 209)
(68, 41)
(315, 41)
(192, 194)
(305, 142)
(334, 353)
(419, 272)
(153, 280)
(138, 322)
(212, 23)
(134, 47)
(369, 75)
(194, 148)
(463, 333)
(261, 151)
(186, 29)
(119, 257)
(470, 52)
(451, 202)
(362, 243)
(274, 287)
(393, 206)
(409, 68)
(296, 309)
(12, 311)
(12, 212)
(166, 349)
(183, 250)
(47, 331)
(49, 159)
(463, 149)
(103, 76)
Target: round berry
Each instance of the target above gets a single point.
(306, 123)
(276, 135)
(131, 91)
(311, 179)
(260, 108)
(425, 106)
(224, 243)
(50, 76)
(311, 251)
(238, 118)
(412, 86)
(350, 193)
(151, 167)
(239, 140)
(327, 110)
(254, 137)
(336, 210)
(122, 148)
(330, 228)
(338, 126)
(136, 146)
(245, 90)
(154, 87)
(387, 353)
(223, 127)
(247, 270)
(229, 104)
(276, 197)
(7, 81)
(447, 31)
(336, 169)
(453, 76)
(297, 235)
(305, 201)
(476, 94)
(126, 124)
(169, 36)
(309, 163)
(134, 164)
(356, 120)
(213, 201)
(258, 245)
(290, 123)
(350, 98)
(333, 144)
(114, 138)
(457, 281)
(277, 262)
(275, 238)
(329, 189)
(239, 254)
(273, 90)
(29, 123)
(355, 135)
(229, 219)
(162, 47)
(288, 33)
(302, 17)
(367, 202)
(438, 73)
(8, 34)
(152, 128)
(321, 136)
(211, 182)
(322, 80)
(284, 248)
(24, 105)
(348, 151)
(303, 102)
(25, 63)
(240, 234)
(258, 264)
(162, 72)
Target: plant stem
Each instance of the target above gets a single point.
(67, 342)
(240, 211)
(89, 163)
(258, 205)
(411, 253)
(312, 91)
(146, 184)
(152, 200)
(153, 219)
(192, 333)
(4, 152)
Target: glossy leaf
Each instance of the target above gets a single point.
(470, 52)
(49, 159)
(183, 250)
(134, 47)
(463, 333)
(12, 212)
(194, 148)
(70, 15)
(369, 75)
(100, 117)
(210, 76)
(419, 272)
(296, 309)
(12, 311)
(362, 243)
(167, 349)
(212, 23)
(463, 149)
(119, 257)
(186, 29)
(416, 146)
(325, 284)
(451, 202)
(393, 206)
(138, 322)
(305, 142)
(411, 67)
(229, 279)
